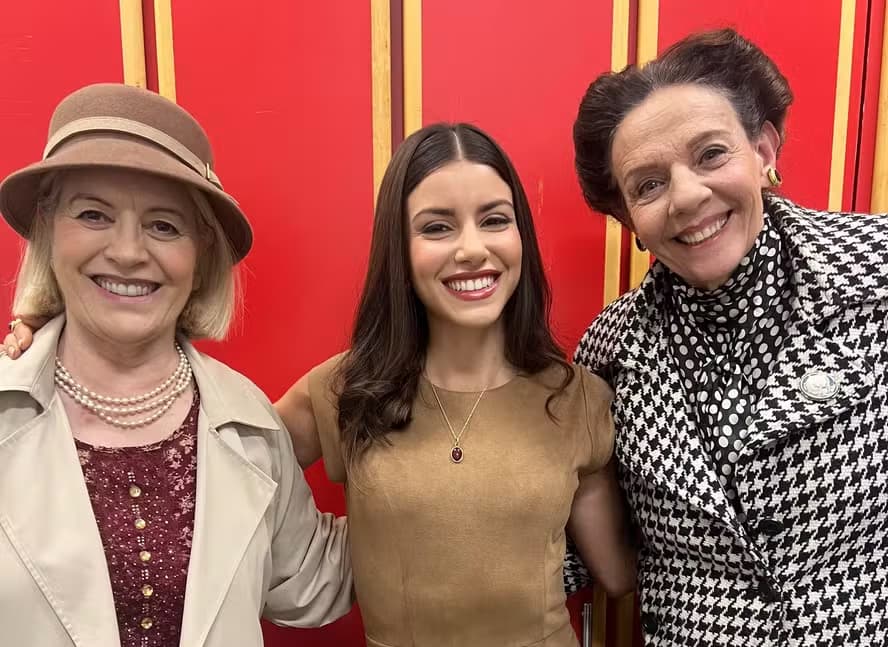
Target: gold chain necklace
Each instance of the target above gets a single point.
(456, 452)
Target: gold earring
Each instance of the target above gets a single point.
(774, 177)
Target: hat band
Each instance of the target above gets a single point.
(137, 129)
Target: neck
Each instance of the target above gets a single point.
(113, 368)
(467, 359)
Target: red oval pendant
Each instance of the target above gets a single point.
(456, 455)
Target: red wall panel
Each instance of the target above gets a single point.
(283, 89)
(42, 58)
(518, 70)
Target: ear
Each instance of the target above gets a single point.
(766, 145)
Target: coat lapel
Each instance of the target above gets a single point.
(232, 494)
(785, 407)
(46, 513)
(663, 445)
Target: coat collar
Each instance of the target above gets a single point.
(52, 528)
(222, 390)
(827, 279)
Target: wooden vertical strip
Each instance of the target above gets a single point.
(166, 64)
(599, 617)
(613, 237)
(625, 618)
(381, 73)
(843, 99)
(412, 26)
(648, 27)
(879, 192)
(132, 41)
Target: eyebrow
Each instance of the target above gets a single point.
(707, 134)
(441, 211)
(89, 196)
(95, 198)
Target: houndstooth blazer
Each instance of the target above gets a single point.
(809, 566)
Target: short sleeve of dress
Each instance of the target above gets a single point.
(326, 413)
(597, 443)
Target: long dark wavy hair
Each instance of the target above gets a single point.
(378, 379)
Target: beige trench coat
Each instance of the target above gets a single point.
(260, 545)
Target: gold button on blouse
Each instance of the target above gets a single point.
(147, 622)
(140, 524)
(135, 491)
(145, 555)
(147, 590)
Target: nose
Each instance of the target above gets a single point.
(687, 191)
(126, 246)
(471, 249)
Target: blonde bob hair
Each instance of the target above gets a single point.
(210, 309)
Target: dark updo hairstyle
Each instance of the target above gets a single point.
(721, 60)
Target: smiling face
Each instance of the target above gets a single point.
(691, 180)
(465, 248)
(124, 253)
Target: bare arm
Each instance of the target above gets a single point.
(296, 411)
(599, 526)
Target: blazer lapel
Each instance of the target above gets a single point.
(788, 402)
(664, 445)
(232, 498)
(48, 519)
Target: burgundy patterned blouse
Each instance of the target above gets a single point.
(143, 501)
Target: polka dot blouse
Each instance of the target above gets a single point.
(724, 343)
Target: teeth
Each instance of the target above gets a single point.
(125, 289)
(471, 285)
(709, 232)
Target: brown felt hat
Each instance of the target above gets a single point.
(120, 126)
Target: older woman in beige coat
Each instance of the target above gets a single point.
(148, 494)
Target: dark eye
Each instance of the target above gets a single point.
(93, 217)
(164, 229)
(435, 229)
(647, 187)
(712, 154)
(497, 221)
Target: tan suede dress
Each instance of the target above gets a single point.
(469, 554)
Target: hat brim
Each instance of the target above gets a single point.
(19, 191)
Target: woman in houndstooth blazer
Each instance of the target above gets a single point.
(750, 366)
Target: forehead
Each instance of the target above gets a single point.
(668, 120)
(456, 184)
(116, 185)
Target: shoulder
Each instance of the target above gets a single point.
(605, 336)
(848, 230)
(227, 396)
(322, 375)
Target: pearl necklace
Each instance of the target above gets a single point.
(115, 411)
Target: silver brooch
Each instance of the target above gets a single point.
(819, 386)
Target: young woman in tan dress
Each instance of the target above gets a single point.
(465, 441)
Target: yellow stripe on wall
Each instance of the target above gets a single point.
(412, 24)
(381, 73)
(843, 99)
(166, 64)
(879, 191)
(613, 236)
(132, 42)
(648, 28)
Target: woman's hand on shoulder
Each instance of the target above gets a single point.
(19, 339)
(296, 411)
